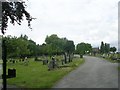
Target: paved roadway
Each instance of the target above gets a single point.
(0, 77)
(94, 73)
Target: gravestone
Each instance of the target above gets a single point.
(16, 61)
(11, 73)
(50, 65)
(36, 59)
(56, 64)
(114, 58)
(26, 61)
(53, 64)
(45, 62)
(10, 60)
(81, 56)
(23, 60)
(20, 60)
(13, 61)
(63, 62)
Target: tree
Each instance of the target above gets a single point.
(80, 48)
(88, 48)
(32, 47)
(15, 12)
(56, 45)
(52, 39)
(83, 48)
(102, 48)
(107, 48)
(113, 49)
(16, 47)
(22, 47)
(52, 42)
(69, 48)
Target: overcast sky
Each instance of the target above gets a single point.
(89, 21)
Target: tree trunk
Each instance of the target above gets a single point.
(69, 58)
(65, 58)
(4, 55)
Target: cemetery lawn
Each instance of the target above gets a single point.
(1, 61)
(119, 68)
(110, 60)
(36, 75)
(107, 58)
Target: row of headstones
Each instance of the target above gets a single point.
(25, 61)
(15, 61)
(52, 64)
(111, 57)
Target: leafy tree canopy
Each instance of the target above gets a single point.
(15, 11)
(113, 49)
(83, 48)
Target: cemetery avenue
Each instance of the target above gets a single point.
(31, 65)
(95, 73)
(66, 44)
(0, 76)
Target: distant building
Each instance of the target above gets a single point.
(95, 50)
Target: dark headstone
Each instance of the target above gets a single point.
(45, 62)
(26, 62)
(16, 61)
(53, 64)
(20, 60)
(113, 58)
(11, 73)
(50, 65)
(13, 61)
(63, 62)
(23, 60)
(81, 56)
(36, 58)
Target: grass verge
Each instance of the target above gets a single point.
(119, 68)
(36, 75)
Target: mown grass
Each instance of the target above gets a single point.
(0, 72)
(108, 58)
(1, 61)
(119, 68)
(36, 75)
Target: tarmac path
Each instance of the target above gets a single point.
(0, 76)
(94, 73)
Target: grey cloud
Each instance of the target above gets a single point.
(79, 20)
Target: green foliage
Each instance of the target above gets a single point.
(119, 68)
(69, 47)
(17, 47)
(54, 44)
(102, 47)
(83, 48)
(21, 46)
(113, 49)
(15, 11)
(52, 39)
(107, 48)
(35, 75)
